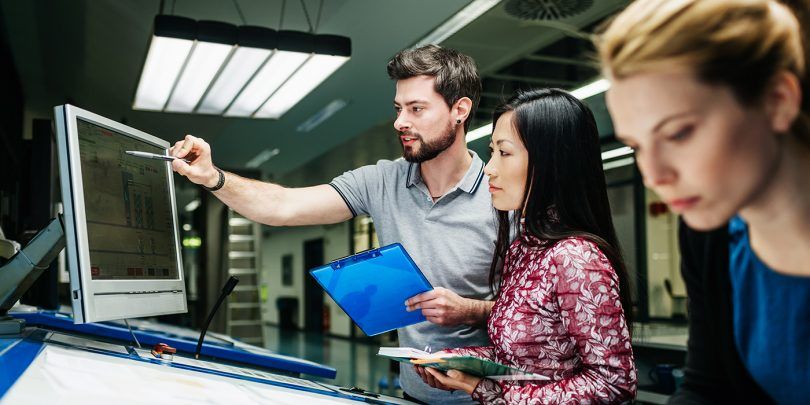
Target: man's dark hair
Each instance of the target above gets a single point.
(455, 73)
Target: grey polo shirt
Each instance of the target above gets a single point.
(452, 241)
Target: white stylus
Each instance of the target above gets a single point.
(153, 156)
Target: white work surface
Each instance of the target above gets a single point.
(61, 375)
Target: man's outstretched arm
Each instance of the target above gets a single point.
(259, 201)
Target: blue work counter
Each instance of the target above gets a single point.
(48, 366)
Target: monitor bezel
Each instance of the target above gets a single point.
(84, 289)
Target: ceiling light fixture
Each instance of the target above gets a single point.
(458, 21)
(478, 133)
(193, 205)
(209, 67)
(324, 60)
(215, 41)
(618, 163)
(618, 152)
(322, 115)
(256, 44)
(262, 157)
(589, 90)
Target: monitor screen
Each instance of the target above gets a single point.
(127, 207)
(120, 216)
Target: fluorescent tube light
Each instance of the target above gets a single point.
(458, 21)
(618, 163)
(204, 62)
(591, 89)
(261, 158)
(270, 77)
(317, 69)
(163, 63)
(238, 70)
(588, 90)
(322, 115)
(614, 153)
(478, 133)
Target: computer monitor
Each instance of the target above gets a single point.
(120, 220)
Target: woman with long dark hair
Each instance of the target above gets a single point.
(563, 298)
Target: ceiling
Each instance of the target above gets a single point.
(90, 53)
(514, 53)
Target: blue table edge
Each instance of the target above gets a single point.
(63, 322)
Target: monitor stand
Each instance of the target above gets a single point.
(20, 272)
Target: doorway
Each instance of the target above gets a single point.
(313, 293)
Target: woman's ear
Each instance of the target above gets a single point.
(461, 109)
(783, 101)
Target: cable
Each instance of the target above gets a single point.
(174, 3)
(281, 18)
(306, 14)
(239, 10)
(132, 333)
(318, 20)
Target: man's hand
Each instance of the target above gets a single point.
(444, 307)
(453, 380)
(201, 169)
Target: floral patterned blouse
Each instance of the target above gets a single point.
(559, 315)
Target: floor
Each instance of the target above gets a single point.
(357, 363)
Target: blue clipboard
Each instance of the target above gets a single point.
(372, 286)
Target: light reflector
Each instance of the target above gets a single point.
(205, 60)
(163, 63)
(307, 78)
(270, 77)
(213, 67)
(238, 70)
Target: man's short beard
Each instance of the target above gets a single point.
(430, 150)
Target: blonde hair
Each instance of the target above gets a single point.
(738, 43)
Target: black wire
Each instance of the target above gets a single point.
(306, 14)
(161, 6)
(174, 3)
(239, 10)
(281, 18)
(318, 20)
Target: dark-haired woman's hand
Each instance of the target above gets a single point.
(429, 379)
(454, 380)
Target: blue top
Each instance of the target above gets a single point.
(771, 321)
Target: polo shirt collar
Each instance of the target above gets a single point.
(469, 183)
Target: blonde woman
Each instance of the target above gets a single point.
(712, 95)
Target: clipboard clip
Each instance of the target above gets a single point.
(357, 257)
